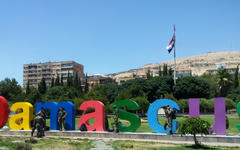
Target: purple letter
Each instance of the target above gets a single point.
(194, 107)
(219, 116)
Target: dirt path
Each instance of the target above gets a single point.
(102, 144)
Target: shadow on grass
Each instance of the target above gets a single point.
(200, 147)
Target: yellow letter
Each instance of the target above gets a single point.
(21, 121)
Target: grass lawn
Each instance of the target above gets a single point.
(133, 145)
(232, 130)
(233, 121)
(13, 143)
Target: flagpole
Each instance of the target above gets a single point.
(174, 76)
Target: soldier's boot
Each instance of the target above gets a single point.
(38, 134)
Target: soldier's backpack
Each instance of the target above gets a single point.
(83, 127)
(174, 112)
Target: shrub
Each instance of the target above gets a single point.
(206, 105)
(234, 94)
(230, 104)
(227, 122)
(183, 104)
(194, 126)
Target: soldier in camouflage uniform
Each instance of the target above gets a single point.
(168, 113)
(61, 118)
(38, 123)
(115, 117)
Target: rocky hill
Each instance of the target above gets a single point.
(197, 65)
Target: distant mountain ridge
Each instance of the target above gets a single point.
(198, 64)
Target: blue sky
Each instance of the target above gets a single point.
(109, 36)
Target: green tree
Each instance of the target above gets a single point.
(57, 81)
(183, 104)
(165, 70)
(10, 89)
(159, 71)
(86, 84)
(72, 92)
(132, 92)
(62, 84)
(191, 87)
(80, 85)
(157, 87)
(76, 81)
(224, 80)
(42, 87)
(194, 126)
(149, 74)
(33, 96)
(138, 81)
(55, 93)
(28, 88)
(111, 91)
(142, 102)
(69, 80)
(52, 82)
(170, 72)
(234, 94)
(97, 93)
(236, 81)
(213, 86)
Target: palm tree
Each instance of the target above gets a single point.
(224, 81)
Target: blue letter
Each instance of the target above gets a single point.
(153, 115)
(54, 107)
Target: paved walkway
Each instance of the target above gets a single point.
(102, 144)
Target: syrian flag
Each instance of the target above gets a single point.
(171, 43)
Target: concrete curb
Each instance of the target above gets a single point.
(175, 138)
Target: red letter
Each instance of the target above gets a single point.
(99, 115)
(4, 111)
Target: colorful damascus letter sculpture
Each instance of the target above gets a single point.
(99, 115)
(4, 111)
(153, 115)
(21, 120)
(54, 107)
(133, 119)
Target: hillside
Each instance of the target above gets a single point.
(198, 65)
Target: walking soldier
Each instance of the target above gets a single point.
(38, 123)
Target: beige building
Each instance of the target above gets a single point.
(48, 70)
(98, 79)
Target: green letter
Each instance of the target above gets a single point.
(238, 110)
(132, 118)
